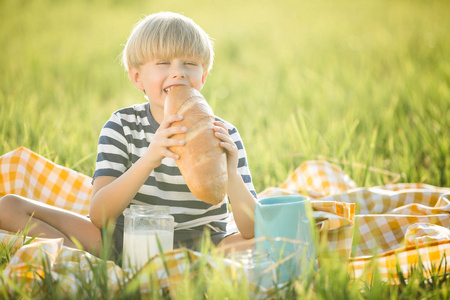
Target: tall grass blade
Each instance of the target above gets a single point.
(370, 155)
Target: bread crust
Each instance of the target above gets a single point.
(202, 162)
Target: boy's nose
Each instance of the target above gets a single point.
(178, 73)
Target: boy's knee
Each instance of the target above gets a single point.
(5, 206)
(8, 204)
(11, 208)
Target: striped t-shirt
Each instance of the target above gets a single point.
(125, 138)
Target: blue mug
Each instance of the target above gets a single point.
(281, 218)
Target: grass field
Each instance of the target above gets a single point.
(363, 83)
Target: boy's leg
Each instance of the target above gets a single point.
(48, 222)
(237, 242)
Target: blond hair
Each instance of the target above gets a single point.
(167, 35)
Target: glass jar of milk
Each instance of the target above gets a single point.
(145, 226)
(258, 267)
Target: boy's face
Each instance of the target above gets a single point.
(157, 77)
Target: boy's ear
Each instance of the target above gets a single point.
(204, 77)
(135, 77)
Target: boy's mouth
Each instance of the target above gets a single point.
(169, 88)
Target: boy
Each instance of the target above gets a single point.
(134, 163)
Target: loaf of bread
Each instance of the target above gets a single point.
(202, 160)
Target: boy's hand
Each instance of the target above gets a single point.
(159, 147)
(242, 201)
(221, 132)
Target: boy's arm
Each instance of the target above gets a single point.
(110, 196)
(241, 199)
(243, 205)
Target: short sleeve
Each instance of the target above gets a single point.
(243, 167)
(112, 150)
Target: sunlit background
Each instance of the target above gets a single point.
(362, 83)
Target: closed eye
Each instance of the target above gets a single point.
(162, 63)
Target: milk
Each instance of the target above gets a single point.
(141, 245)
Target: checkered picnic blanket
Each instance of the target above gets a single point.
(399, 224)
(28, 174)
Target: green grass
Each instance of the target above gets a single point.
(359, 82)
(201, 280)
(299, 80)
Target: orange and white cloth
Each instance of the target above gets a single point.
(73, 268)
(28, 174)
(398, 224)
